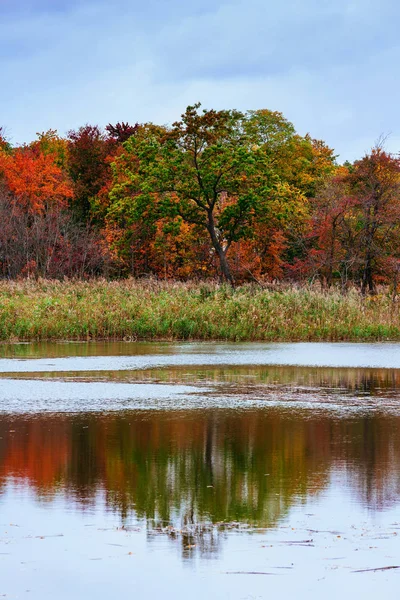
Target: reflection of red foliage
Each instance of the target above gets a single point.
(38, 455)
(149, 462)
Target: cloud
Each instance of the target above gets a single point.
(328, 66)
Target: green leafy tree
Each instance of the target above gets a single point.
(212, 169)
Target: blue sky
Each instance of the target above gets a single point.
(330, 66)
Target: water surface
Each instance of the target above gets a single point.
(201, 470)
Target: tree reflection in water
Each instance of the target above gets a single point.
(195, 474)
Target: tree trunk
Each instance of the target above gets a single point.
(329, 276)
(225, 269)
(367, 279)
(395, 283)
(367, 276)
(223, 262)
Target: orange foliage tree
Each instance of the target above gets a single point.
(34, 179)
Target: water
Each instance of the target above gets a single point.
(199, 470)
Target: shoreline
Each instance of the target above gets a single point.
(155, 340)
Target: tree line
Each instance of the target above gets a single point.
(235, 195)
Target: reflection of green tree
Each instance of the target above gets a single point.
(160, 466)
(213, 468)
(372, 459)
(70, 349)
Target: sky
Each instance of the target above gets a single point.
(331, 67)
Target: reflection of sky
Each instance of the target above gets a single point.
(301, 354)
(327, 65)
(57, 396)
(24, 396)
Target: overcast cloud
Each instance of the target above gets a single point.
(330, 66)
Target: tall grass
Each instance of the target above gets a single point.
(153, 310)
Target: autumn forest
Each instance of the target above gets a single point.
(219, 194)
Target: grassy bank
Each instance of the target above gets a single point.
(152, 310)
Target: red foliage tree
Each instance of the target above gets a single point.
(88, 167)
(120, 132)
